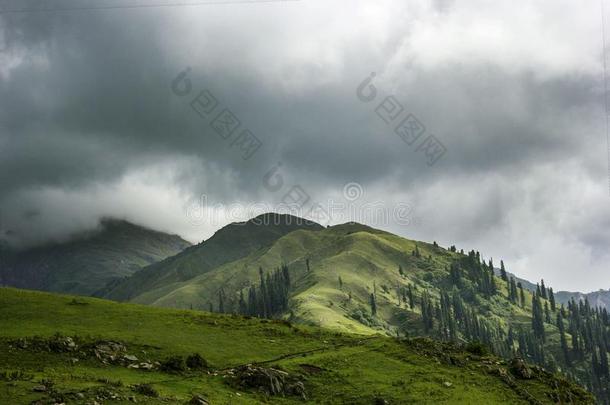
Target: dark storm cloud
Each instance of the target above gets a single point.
(89, 118)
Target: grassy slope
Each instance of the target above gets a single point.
(228, 244)
(365, 259)
(355, 370)
(87, 263)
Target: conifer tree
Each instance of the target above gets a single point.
(513, 294)
(243, 307)
(373, 305)
(411, 298)
(537, 318)
(503, 274)
(552, 299)
(562, 337)
(521, 294)
(221, 301)
(542, 290)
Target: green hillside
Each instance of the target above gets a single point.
(352, 278)
(230, 243)
(62, 349)
(89, 261)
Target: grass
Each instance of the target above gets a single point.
(334, 367)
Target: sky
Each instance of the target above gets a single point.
(472, 123)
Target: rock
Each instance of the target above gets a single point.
(80, 395)
(109, 351)
(22, 343)
(447, 384)
(519, 368)
(198, 400)
(146, 366)
(130, 357)
(60, 344)
(39, 388)
(268, 380)
(296, 389)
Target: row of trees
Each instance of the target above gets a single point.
(583, 331)
(267, 299)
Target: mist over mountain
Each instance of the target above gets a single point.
(89, 260)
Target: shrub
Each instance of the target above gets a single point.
(145, 389)
(196, 362)
(173, 364)
(476, 348)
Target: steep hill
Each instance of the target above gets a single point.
(88, 261)
(61, 349)
(353, 278)
(229, 244)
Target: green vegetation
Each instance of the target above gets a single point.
(57, 348)
(353, 278)
(229, 244)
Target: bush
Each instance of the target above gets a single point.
(145, 389)
(196, 362)
(173, 364)
(476, 348)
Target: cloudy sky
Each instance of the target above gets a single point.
(97, 121)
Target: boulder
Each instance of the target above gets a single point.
(198, 400)
(519, 368)
(268, 380)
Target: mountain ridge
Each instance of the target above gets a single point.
(88, 260)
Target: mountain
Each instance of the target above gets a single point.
(229, 244)
(356, 279)
(88, 261)
(599, 298)
(62, 349)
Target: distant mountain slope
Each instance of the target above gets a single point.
(230, 243)
(89, 261)
(58, 349)
(599, 298)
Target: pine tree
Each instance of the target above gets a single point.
(340, 283)
(243, 307)
(537, 318)
(416, 252)
(221, 301)
(373, 304)
(513, 294)
(552, 299)
(542, 290)
(521, 294)
(562, 337)
(503, 274)
(411, 298)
